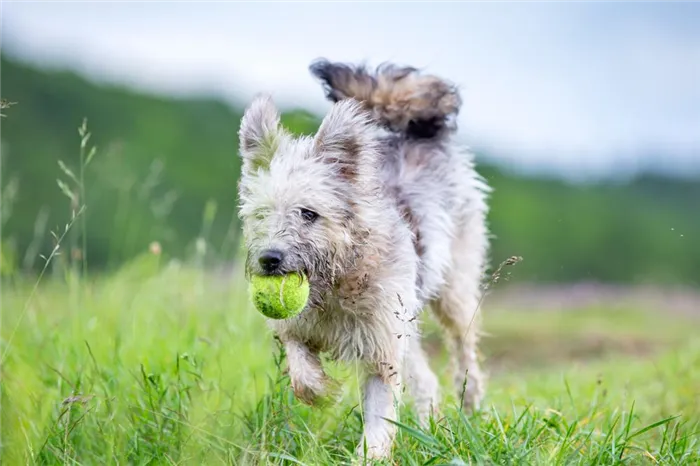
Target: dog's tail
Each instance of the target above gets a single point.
(400, 98)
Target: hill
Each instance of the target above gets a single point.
(166, 170)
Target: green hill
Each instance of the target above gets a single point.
(166, 169)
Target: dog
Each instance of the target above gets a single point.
(385, 214)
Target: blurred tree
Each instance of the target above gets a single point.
(160, 161)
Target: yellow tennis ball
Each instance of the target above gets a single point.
(279, 296)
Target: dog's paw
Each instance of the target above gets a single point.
(308, 395)
(319, 394)
(373, 451)
(427, 415)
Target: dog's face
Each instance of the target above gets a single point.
(298, 196)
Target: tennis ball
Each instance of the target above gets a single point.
(279, 296)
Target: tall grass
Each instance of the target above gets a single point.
(165, 362)
(169, 365)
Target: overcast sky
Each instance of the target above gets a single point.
(583, 89)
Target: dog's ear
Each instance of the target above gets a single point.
(344, 138)
(259, 134)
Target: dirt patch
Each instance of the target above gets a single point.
(559, 351)
(566, 297)
(518, 352)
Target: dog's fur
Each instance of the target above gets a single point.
(400, 225)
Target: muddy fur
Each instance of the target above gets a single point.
(386, 216)
(400, 98)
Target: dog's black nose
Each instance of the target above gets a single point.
(270, 260)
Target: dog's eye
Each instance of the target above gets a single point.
(309, 215)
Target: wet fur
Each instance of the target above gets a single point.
(399, 97)
(401, 226)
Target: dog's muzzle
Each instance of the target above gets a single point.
(270, 261)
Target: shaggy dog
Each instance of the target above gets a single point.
(385, 215)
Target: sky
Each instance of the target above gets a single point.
(578, 89)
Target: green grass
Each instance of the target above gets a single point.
(160, 364)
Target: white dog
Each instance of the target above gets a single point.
(384, 215)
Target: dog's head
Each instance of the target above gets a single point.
(300, 196)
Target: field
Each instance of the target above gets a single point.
(165, 362)
(162, 363)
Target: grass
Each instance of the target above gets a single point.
(163, 363)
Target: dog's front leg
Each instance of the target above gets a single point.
(306, 374)
(378, 406)
(382, 391)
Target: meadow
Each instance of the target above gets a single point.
(164, 362)
(154, 355)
